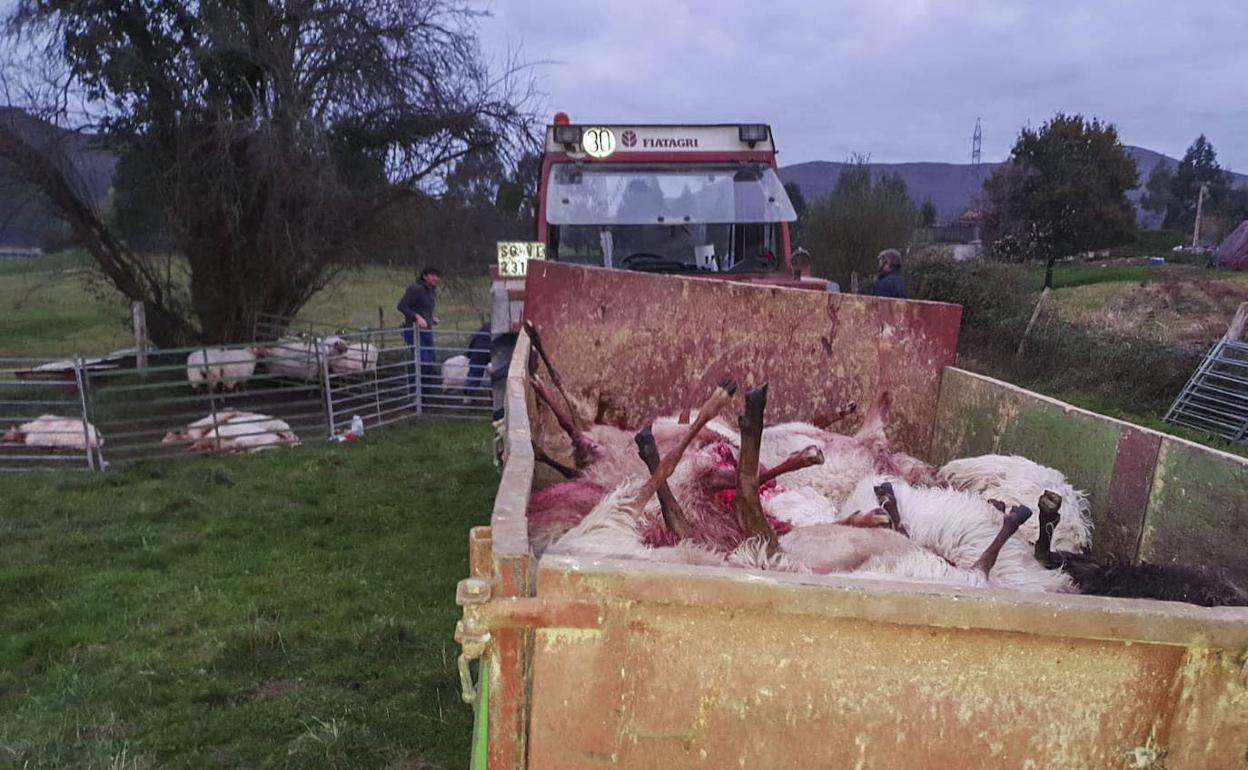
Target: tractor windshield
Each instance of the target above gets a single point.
(667, 218)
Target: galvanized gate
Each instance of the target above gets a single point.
(1215, 399)
(124, 408)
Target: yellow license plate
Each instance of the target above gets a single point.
(514, 257)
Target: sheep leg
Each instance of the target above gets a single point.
(825, 421)
(540, 455)
(719, 479)
(807, 457)
(873, 424)
(600, 416)
(1009, 525)
(536, 339)
(888, 501)
(747, 505)
(673, 516)
(713, 405)
(583, 447)
(1050, 504)
(872, 519)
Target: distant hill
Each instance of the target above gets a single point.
(23, 222)
(951, 187)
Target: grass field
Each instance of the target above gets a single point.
(56, 306)
(50, 309)
(292, 609)
(1181, 304)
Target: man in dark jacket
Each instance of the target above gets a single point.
(417, 306)
(889, 282)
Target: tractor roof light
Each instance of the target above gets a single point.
(562, 119)
(567, 135)
(753, 133)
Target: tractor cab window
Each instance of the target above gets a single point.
(667, 218)
(712, 247)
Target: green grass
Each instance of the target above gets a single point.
(353, 300)
(289, 609)
(1067, 276)
(50, 309)
(57, 305)
(1100, 405)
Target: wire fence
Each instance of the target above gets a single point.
(280, 390)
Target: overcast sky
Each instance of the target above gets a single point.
(902, 80)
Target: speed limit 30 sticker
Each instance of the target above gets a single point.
(598, 141)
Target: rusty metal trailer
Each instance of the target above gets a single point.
(587, 662)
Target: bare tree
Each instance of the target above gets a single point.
(273, 137)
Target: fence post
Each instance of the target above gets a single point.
(1235, 332)
(381, 345)
(80, 381)
(1035, 316)
(327, 387)
(139, 313)
(417, 342)
(216, 423)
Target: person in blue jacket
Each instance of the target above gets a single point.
(889, 283)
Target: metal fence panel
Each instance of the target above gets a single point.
(43, 423)
(387, 375)
(91, 414)
(210, 400)
(1215, 399)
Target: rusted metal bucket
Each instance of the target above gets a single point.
(596, 662)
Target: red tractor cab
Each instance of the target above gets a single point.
(698, 200)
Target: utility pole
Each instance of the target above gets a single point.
(1200, 203)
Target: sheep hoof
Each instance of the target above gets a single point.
(995, 503)
(1016, 516)
(1050, 503)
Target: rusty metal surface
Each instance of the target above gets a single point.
(1211, 711)
(511, 575)
(1129, 490)
(658, 343)
(479, 553)
(509, 528)
(717, 668)
(646, 665)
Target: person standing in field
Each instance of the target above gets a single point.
(417, 307)
(889, 282)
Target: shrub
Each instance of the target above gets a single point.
(996, 297)
(1061, 357)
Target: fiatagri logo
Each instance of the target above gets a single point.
(686, 142)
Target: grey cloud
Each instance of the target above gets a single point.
(902, 80)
